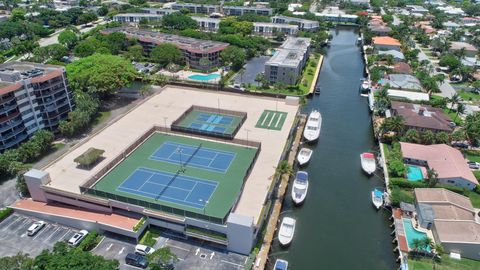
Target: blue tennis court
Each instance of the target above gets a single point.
(164, 186)
(214, 118)
(194, 156)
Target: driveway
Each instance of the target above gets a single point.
(253, 67)
(14, 238)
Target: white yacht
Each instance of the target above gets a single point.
(287, 229)
(304, 156)
(313, 126)
(300, 187)
(377, 198)
(369, 163)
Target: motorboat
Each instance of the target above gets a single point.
(317, 90)
(369, 163)
(304, 156)
(287, 229)
(280, 265)
(313, 126)
(365, 87)
(300, 187)
(377, 198)
(371, 101)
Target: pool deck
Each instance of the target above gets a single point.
(185, 74)
(167, 106)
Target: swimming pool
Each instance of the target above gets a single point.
(200, 77)
(414, 173)
(411, 233)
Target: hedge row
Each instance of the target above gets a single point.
(4, 213)
(91, 241)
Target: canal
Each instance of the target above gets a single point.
(337, 227)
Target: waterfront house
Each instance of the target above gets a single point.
(397, 56)
(469, 49)
(422, 117)
(402, 81)
(452, 219)
(448, 162)
(385, 44)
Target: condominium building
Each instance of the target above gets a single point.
(239, 10)
(270, 29)
(32, 97)
(197, 8)
(287, 63)
(194, 50)
(136, 18)
(158, 11)
(307, 25)
(207, 24)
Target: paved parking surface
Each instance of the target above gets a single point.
(253, 67)
(14, 238)
(198, 255)
(116, 247)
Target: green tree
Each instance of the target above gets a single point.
(428, 137)
(412, 136)
(472, 128)
(432, 178)
(87, 17)
(460, 110)
(442, 137)
(417, 244)
(18, 14)
(84, 49)
(179, 21)
(284, 168)
(459, 135)
(116, 42)
(18, 262)
(68, 38)
(162, 259)
(233, 56)
(135, 53)
(103, 73)
(450, 61)
(166, 53)
(395, 124)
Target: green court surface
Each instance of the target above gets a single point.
(211, 181)
(204, 121)
(271, 120)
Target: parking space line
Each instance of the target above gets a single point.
(236, 264)
(9, 225)
(44, 229)
(109, 246)
(121, 250)
(184, 249)
(54, 232)
(62, 238)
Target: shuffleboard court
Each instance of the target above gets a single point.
(271, 120)
(194, 156)
(164, 186)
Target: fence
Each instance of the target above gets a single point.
(177, 127)
(88, 186)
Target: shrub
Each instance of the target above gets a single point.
(399, 195)
(139, 224)
(4, 213)
(403, 183)
(90, 241)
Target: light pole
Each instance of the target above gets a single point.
(205, 206)
(165, 123)
(247, 130)
(179, 151)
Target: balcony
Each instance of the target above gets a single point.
(13, 142)
(8, 107)
(10, 125)
(13, 133)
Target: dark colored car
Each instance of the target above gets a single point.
(136, 260)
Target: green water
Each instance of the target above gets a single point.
(337, 227)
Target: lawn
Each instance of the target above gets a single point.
(453, 115)
(150, 236)
(475, 197)
(472, 155)
(308, 74)
(470, 96)
(101, 117)
(446, 264)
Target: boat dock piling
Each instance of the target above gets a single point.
(262, 256)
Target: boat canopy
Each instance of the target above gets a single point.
(302, 176)
(368, 155)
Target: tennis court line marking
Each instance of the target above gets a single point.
(185, 178)
(146, 181)
(211, 160)
(135, 192)
(207, 149)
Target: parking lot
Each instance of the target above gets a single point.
(199, 255)
(14, 238)
(116, 247)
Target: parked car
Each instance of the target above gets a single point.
(460, 144)
(474, 165)
(35, 227)
(143, 250)
(77, 238)
(136, 260)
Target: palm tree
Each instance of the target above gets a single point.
(460, 110)
(417, 244)
(432, 177)
(284, 168)
(412, 136)
(428, 137)
(455, 99)
(427, 242)
(395, 124)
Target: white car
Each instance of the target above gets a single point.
(143, 250)
(473, 165)
(35, 227)
(77, 238)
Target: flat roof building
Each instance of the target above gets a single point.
(241, 10)
(193, 49)
(207, 24)
(286, 65)
(303, 24)
(136, 18)
(32, 97)
(197, 8)
(64, 181)
(271, 29)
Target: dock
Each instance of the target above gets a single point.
(262, 257)
(315, 76)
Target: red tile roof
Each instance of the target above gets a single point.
(386, 41)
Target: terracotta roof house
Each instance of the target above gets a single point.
(422, 117)
(448, 162)
(386, 43)
(402, 81)
(402, 68)
(470, 50)
(452, 219)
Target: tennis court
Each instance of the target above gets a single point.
(194, 156)
(164, 186)
(271, 120)
(210, 122)
(180, 173)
